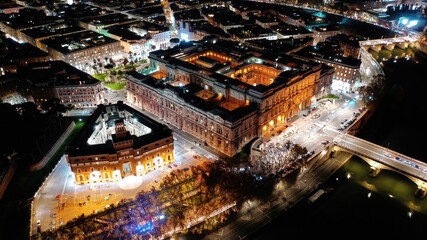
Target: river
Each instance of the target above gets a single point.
(357, 206)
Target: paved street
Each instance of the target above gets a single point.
(320, 125)
(112, 96)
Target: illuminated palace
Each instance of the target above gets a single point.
(224, 93)
(117, 141)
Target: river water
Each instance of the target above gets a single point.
(357, 206)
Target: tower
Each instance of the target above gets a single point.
(120, 129)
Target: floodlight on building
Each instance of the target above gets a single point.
(184, 37)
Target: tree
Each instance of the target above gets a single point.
(112, 62)
(374, 91)
(95, 69)
(113, 75)
(120, 73)
(101, 66)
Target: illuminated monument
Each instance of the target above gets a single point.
(117, 141)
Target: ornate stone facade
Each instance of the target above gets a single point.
(243, 96)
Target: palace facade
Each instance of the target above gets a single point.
(224, 93)
(117, 141)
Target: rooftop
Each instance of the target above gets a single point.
(28, 18)
(108, 19)
(228, 65)
(325, 54)
(251, 31)
(149, 131)
(56, 73)
(77, 41)
(78, 11)
(51, 30)
(11, 50)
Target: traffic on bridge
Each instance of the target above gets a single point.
(383, 155)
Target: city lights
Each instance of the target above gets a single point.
(141, 120)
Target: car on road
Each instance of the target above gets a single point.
(325, 142)
(185, 169)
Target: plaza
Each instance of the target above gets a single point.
(60, 199)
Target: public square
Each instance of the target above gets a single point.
(60, 199)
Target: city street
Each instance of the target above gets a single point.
(321, 125)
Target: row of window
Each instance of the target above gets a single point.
(113, 157)
(105, 168)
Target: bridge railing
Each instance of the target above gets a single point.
(371, 61)
(419, 171)
(387, 150)
(388, 40)
(350, 149)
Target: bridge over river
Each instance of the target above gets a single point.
(380, 158)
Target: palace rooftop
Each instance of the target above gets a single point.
(77, 41)
(142, 130)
